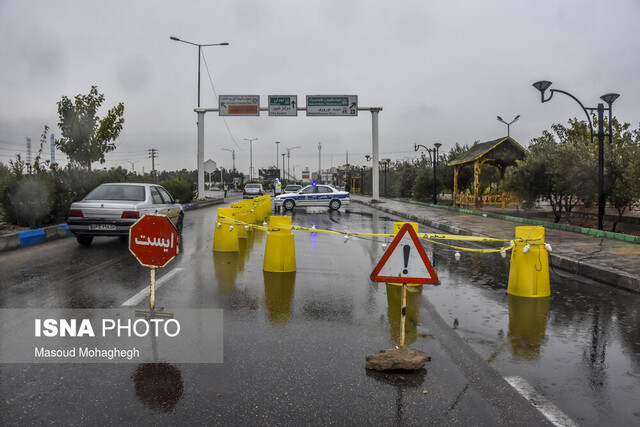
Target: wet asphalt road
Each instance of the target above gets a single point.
(294, 344)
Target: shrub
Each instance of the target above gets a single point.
(180, 188)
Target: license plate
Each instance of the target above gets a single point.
(105, 227)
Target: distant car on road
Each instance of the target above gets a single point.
(111, 209)
(292, 188)
(252, 190)
(314, 195)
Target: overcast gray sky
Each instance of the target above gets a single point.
(441, 70)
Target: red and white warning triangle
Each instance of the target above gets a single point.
(405, 261)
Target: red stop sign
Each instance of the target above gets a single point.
(153, 240)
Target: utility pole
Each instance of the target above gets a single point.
(153, 153)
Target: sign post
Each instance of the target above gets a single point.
(154, 241)
(405, 261)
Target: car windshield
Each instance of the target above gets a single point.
(253, 186)
(134, 193)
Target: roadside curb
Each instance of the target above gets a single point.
(23, 239)
(546, 224)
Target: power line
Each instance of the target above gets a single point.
(216, 95)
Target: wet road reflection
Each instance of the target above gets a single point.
(580, 346)
(278, 295)
(527, 325)
(158, 385)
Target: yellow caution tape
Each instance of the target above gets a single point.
(429, 237)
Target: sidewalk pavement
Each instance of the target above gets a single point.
(602, 256)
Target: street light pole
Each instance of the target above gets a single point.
(609, 98)
(509, 124)
(284, 178)
(200, 137)
(200, 46)
(250, 158)
(277, 143)
(289, 158)
(233, 157)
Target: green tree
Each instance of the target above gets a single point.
(86, 137)
(559, 168)
(621, 166)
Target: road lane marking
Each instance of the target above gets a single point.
(144, 293)
(545, 407)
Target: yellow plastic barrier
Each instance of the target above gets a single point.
(280, 249)
(529, 272)
(240, 214)
(225, 235)
(251, 214)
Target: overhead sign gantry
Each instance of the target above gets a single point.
(287, 105)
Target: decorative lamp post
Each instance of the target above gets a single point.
(433, 157)
(609, 98)
(385, 164)
(509, 124)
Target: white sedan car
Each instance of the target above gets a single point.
(314, 195)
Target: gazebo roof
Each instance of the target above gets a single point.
(505, 151)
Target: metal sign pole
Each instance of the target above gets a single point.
(152, 288)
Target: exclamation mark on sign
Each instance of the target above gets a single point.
(406, 250)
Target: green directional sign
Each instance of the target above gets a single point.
(283, 105)
(332, 105)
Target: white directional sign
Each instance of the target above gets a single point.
(283, 105)
(239, 105)
(332, 105)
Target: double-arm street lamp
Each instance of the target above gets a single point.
(433, 156)
(250, 157)
(509, 124)
(609, 98)
(200, 46)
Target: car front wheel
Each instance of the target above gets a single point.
(334, 204)
(289, 204)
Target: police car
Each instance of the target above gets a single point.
(314, 195)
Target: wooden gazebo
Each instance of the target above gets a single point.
(501, 153)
